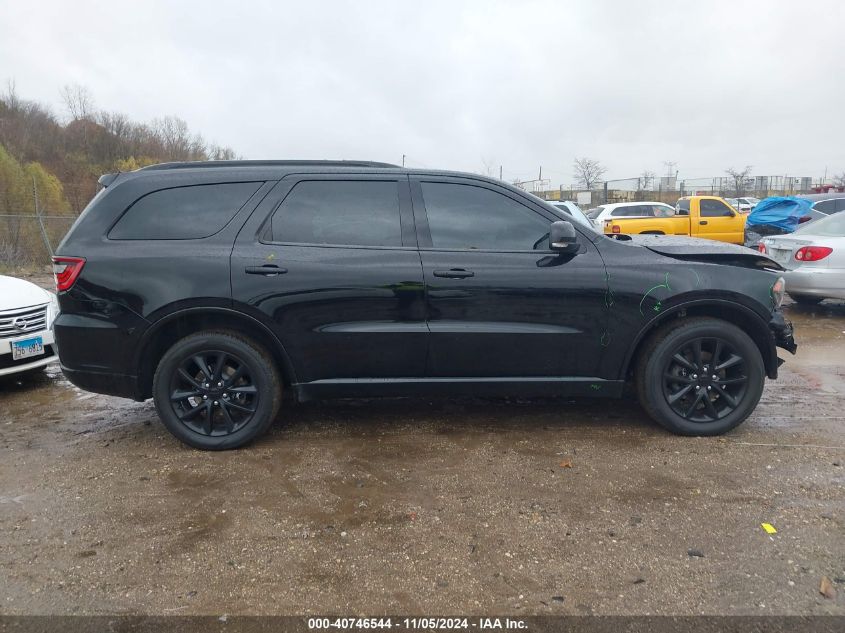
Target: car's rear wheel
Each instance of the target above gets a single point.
(217, 390)
(806, 300)
(701, 376)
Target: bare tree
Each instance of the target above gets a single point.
(79, 102)
(739, 178)
(839, 180)
(587, 172)
(488, 167)
(647, 179)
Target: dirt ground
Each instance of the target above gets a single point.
(430, 507)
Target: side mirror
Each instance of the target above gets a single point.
(563, 238)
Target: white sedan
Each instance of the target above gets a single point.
(814, 257)
(26, 326)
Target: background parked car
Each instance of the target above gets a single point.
(572, 211)
(778, 215)
(743, 205)
(26, 322)
(827, 203)
(814, 256)
(629, 210)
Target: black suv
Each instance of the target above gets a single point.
(211, 287)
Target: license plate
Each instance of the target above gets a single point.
(27, 348)
(781, 256)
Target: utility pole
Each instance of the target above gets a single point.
(403, 160)
(500, 172)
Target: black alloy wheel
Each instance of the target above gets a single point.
(705, 380)
(213, 393)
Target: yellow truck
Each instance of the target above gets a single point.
(709, 217)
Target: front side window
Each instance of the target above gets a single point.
(714, 209)
(470, 217)
(339, 212)
(183, 213)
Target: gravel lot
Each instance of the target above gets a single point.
(430, 507)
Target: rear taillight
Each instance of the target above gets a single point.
(812, 253)
(761, 247)
(66, 270)
(616, 229)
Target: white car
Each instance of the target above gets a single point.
(743, 205)
(814, 256)
(27, 313)
(629, 210)
(572, 210)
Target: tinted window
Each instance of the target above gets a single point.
(464, 216)
(642, 210)
(826, 206)
(831, 226)
(351, 212)
(840, 205)
(183, 213)
(683, 207)
(714, 209)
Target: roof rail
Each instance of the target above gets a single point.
(265, 163)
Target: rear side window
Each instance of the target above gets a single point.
(340, 212)
(183, 213)
(714, 209)
(826, 206)
(663, 211)
(642, 210)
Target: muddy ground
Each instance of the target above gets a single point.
(430, 507)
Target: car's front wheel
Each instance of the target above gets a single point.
(700, 376)
(217, 390)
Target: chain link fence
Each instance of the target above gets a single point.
(28, 240)
(669, 188)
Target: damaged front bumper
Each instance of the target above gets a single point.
(781, 329)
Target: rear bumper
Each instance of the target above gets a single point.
(109, 384)
(816, 282)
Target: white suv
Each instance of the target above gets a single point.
(26, 326)
(629, 210)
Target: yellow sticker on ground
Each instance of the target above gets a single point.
(770, 529)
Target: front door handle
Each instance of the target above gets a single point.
(268, 270)
(702, 222)
(454, 273)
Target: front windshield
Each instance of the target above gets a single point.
(831, 226)
(594, 213)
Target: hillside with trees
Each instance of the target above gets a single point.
(50, 163)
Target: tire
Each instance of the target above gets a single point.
(675, 392)
(806, 300)
(217, 390)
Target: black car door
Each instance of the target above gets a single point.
(331, 262)
(500, 303)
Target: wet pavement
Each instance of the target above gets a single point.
(430, 507)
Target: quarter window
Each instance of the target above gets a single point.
(469, 217)
(183, 213)
(714, 209)
(341, 212)
(826, 206)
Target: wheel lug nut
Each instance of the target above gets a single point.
(217, 403)
(715, 377)
(709, 387)
(219, 384)
(695, 376)
(697, 387)
(205, 397)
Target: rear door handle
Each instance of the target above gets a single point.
(702, 222)
(268, 270)
(454, 273)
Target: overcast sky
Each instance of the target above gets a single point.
(459, 84)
